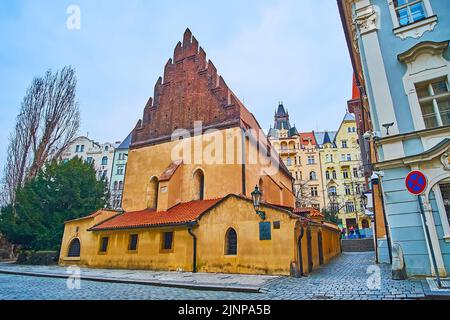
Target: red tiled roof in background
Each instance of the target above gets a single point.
(180, 214)
(309, 211)
(355, 90)
(305, 137)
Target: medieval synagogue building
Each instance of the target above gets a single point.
(197, 165)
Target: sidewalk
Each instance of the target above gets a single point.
(187, 280)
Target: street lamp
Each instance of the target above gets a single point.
(256, 197)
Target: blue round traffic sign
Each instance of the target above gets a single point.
(416, 183)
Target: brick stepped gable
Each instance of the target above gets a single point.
(191, 90)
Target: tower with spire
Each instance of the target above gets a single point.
(282, 127)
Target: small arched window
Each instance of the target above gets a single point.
(105, 161)
(121, 185)
(231, 242)
(312, 175)
(153, 193)
(199, 185)
(334, 175)
(289, 162)
(74, 248)
(327, 174)
(116, 185)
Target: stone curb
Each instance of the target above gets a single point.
(191, 286)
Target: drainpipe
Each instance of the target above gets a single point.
(388, 233)
(194, 249)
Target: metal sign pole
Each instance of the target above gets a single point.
(430, 246)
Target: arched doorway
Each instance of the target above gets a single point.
(320, 244)
(74, 248)
(300, 252)
(309, 244)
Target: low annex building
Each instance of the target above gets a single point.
(187, 210)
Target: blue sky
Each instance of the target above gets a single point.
(267, 51)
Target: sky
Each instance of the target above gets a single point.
(266, 50)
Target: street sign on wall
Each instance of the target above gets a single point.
(416, 183)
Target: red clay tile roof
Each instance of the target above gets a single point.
(305, 137)
(310, 211)
(168, 173)
(180, 214)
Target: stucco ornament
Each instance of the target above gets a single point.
(445, 159)
(366, 19)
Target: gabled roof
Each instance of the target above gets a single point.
(320, 136)
(326, 138)
(126, 142)
(169, 172)
(349, 117)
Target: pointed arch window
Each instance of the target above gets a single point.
(153, 193)
(231, 242)
(199, 185)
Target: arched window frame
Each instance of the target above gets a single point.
(199, 194)
(231, 242)
(74, 252)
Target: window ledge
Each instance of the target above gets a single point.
(416, 29)
(71, 259)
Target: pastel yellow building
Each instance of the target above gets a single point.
(195, 159)
(300, 153)
(342, 174)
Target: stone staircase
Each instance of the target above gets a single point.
(358, 245)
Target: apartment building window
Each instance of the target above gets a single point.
(345, 174)
(312, 175)
(348, 190)
(332, 191)
(342, 157)
(334, 207)
(334, 175)
(349, 207)
(289, 162)
(77, 149)
(327, 175)
(349, 157)
(344, 143)
(90, 160)
(311, 160)
(355, 172)
(409, 11)
(358, 189)
(82, 148)
(314, 192)
(434, 99)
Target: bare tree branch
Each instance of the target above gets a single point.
(49, 119)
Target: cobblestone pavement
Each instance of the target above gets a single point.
(346, 277)
(230, 282)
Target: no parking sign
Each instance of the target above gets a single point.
(416, 183)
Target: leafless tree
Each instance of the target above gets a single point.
(48, 120)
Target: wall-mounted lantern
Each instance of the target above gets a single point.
(256, 197)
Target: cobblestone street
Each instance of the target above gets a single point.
(345, 278)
